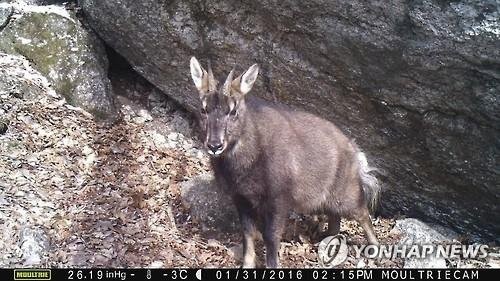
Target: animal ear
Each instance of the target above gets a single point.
(199, 75)
(248, 79)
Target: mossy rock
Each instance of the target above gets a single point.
(72, 58)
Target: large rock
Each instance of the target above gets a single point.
(415, 232)
(416, 83)
(72, 58)
(209, 206)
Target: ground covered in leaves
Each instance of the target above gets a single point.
(80, 192)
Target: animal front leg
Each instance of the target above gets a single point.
(274, 223)
(248, 245)
(247, 221)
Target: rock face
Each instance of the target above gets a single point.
(73, 59)
(416, 83)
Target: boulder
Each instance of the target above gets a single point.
(72, 58)
(416, 83)
(208, 205)
(416, 232)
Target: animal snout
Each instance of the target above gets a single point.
(215, 146)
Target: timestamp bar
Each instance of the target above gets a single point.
(244, 274)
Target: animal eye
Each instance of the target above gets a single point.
(203, 110)
(233, 112)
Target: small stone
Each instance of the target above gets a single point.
(144, 114)
(33, 243)
(20, 193)
(200, 154)
(494, 263)
(236, 252)
(173, 136)
(156, 264)
(3, 127)
(361, 264)
(213, 243)
(116, 149)
(158, 139)
(17, 94)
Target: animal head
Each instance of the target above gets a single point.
(222, 109)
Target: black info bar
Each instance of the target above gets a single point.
(245, 274)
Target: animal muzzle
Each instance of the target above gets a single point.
(215, 146)
(215, 138)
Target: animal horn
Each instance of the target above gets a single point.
(211, 80)
(227, 84)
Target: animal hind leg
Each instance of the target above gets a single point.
(366, 223)
(333, 224)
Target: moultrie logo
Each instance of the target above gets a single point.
(332, 251)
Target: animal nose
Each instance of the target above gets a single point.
(214, 146)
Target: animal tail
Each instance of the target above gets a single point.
(370, 184)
